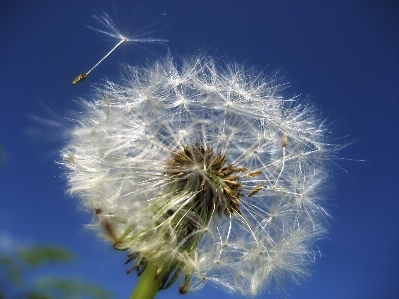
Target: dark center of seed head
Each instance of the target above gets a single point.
(202, 171)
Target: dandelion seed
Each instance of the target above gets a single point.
(107, 22)
(256, 189)
(83, 76)
(205, 174)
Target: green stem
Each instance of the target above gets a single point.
(148, 285)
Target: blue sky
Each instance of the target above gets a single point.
(344, 55)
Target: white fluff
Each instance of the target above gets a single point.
(117, 161)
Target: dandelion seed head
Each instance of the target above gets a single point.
(206, 169)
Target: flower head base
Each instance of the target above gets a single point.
(206, 171)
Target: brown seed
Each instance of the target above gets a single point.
(253, 174)
(256, 189)
(79, 78)
(285, 140)
(110, 231)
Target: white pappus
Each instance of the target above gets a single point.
(205, 170)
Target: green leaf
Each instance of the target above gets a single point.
(71, 288)
(41, 254)
(36, 295)
(11, 269)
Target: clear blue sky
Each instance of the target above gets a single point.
(343, 54)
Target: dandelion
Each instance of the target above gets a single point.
(204, 173)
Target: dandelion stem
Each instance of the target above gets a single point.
(149, 283)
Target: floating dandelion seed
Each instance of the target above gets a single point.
(83, 76)
(107, 22)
